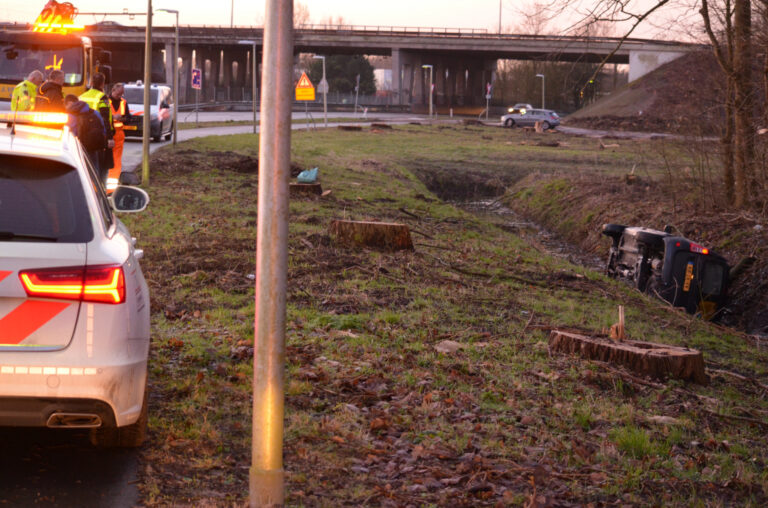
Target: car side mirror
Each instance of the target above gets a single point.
(129, 199)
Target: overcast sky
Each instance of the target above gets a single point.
(423, 13)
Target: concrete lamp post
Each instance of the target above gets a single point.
(324, 87)
(427, 66)
(175, 71)
(253, 75)
(542, 89)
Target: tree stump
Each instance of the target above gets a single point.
(380, 126)
(659, 361)
(305, 189)
(382, 235)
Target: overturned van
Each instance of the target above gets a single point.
(678, 270)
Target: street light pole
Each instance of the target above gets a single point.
(427, 66)
(147, 85)
(324, 84)
(266, 476)
(253, 75)
(542, 89)
(175, 72)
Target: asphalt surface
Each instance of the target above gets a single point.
(41, 467)
(132, 153)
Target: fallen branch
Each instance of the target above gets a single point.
(413, 230)
(739, 377)
(745, 419)
(409, 214)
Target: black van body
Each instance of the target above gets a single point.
(678, 270)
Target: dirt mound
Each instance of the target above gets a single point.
(684, 95)
(182, 162)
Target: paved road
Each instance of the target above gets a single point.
(132, 151)
(41, 467)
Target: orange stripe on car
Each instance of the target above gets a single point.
(4, 275)
(27, 318)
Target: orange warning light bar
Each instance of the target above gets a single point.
(29, 118)
(56, 18)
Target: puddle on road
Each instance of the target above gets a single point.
(541, 238)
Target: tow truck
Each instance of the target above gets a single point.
(51, 42)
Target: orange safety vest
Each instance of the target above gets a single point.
(120, 111)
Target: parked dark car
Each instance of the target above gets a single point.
(682, 272)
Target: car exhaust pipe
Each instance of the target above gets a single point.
(73, 421)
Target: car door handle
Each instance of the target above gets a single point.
(138, 253)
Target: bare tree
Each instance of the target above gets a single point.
(723, 49)
(300, 14)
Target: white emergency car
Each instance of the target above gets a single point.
(74, 305)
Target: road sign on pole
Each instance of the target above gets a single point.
(305, 91)
(197, 79)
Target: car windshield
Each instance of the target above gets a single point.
(17, 61)
(136, 96)
(42, 200)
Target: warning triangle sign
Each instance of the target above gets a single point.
(304, 81)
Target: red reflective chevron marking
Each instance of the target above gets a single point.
(27, 318)
(4, 275)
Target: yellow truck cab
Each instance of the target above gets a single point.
(23, 50)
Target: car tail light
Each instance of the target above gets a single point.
(695, 247)
(100, 284)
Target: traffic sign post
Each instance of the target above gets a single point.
(305, 91)
(197, 84)
(488, 92)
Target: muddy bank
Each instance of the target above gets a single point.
(577, 207)
(563, 216)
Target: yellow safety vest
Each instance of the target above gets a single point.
(120, 111)
(23, 98)
(94, 98)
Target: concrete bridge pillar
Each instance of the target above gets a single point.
(209, 64)
(641, 62)
(185, 92)
(406, 82)
(170, 57)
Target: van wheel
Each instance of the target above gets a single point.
(613, 230)
(509, 123)
(167, 137)
(130, 436)
(545, 125)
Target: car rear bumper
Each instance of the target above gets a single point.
(36, 412)
(30, 393)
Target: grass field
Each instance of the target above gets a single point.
(376, 415)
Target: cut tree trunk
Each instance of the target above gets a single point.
(659, 361)
(381, 235)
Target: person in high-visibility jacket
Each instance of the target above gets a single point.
(120, 112)
(23, 98)
(97, 100)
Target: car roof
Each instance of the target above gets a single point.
(36, 141)
(153, 85)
